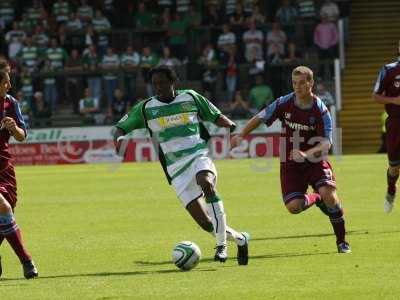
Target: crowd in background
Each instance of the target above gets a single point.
(92, 57)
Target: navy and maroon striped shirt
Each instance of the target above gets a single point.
(388, 83)
(9, 107)
(312, 125)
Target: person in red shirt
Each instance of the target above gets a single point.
(387, 92)
(11, 124)
(306, 138)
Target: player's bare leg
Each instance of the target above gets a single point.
(9, 229)
(392, 177)
(335, 213)
(202, 218)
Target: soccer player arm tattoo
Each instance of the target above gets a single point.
(12, 127)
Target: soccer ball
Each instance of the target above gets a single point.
(186, 255)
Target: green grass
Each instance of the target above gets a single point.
(98, 233)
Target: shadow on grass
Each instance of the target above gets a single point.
(252, 257)
(288, 237)
(106, 274)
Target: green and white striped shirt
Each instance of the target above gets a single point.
(176, 127)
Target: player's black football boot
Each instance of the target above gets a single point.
(30, 270)
(243, 251)
(1, 269)
(221, 253)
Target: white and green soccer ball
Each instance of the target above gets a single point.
(186, 255)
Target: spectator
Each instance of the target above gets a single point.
(15, 39)
(286, 16)
(237, 18)
(41, 113)
(308, 14)
(182, 6)
(276, 40)
(143, 18)
(167, 60)
(50, 86)
(26, 109)
(130, 61)
(56, 55)
(165, 18)
(226, 41)
(330, 10)
(325, 95)
(26, 84)
(110, 64)
(7, 12)
(34, 12)
(230, 6)
(177, 37)
(238, 107)
(74, 23)
(63, 39)
(73, 65)
(61, 11)
(40, 38)
(85, 13)
(193, 17)
(90, 63)
(257, 16)
(119, 106)
(257, 66)
(102, 27)
(29, 55)
(209, 62)
(90, 36)
(26, 24)
(260, 95)
(89, 108)
(231, 74)
(253, 40)
(326, 38)
(211, 16)
(148, 60)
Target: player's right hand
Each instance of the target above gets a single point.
(236, 140)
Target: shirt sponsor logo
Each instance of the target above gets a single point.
(298, 126)
(175, 120)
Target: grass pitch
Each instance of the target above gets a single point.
(107, 232)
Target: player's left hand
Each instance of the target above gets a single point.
(9, 124)
(297, 155)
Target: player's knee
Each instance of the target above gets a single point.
(207, 185)
(5, 207)
(294, 206)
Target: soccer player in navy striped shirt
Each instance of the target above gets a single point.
(306, 138)
(387, 92)
(12, 124)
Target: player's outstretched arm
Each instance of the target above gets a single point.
(248, 128)
(224, 121)
(382, 99)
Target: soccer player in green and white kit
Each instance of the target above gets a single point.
(174, 120)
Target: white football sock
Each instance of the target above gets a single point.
(218, 218)
(235, 236)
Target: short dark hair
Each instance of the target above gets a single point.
(167, 71)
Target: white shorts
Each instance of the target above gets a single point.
(186, 186)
